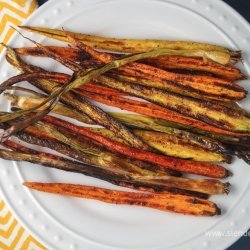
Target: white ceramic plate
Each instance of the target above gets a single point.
(68, 223)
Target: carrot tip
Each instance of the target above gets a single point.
(218, 210)
(229, 173)
(243, 77)
(27, 184)
(227, 186)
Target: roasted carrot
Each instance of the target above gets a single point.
(130, 170)
(107, 160)
(94, 154)
(65, 52)
(198, 86)
(175, 145)
(153, 110)
(209, 112)
(193, 64)
(205, 169)
(125, 169)
(132, 120)
(189, 64)
(102, 90)
(181, 48)
(166, 202)
(80, 104)
(135, 45)
(154, 124)
(189, 85)
(158, 119)
(215, 114)
(22, 153)
(115, 176)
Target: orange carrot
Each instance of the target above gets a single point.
(153, 110)
(66, 52)
(167, 202)
(195, 64)
(95, 88)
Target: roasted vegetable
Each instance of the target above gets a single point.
(219, 117)
(93, 153)
(166, 202)
(173, 142)
(198, 86)
(172, 145)
(181, 48)
(156, 124)
(128, 169)
(53, 161)
(166, 117)
(145, 122)
(115, 176)
(189, 119)
(83, 106)
(208, 112)
(185, 84)
(176, 147)
(103, 159)
(205, 169)
(181, 64)
(189, 64)
(188, 85)
(132, 120)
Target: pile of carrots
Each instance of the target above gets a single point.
(185, 121)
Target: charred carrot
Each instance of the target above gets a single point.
(194, 64)
(205, 169)
(121, 178)
(179, 144)
(104, 159)
(172, 141)
(173, 203)
(198, 86)
(188, 85)
(153, 110)
(206, 186)
(158, 119)
(181, 48)
(102, 90)
(80, 104)
(65, 52)
(217, 115)
(188, 64)
(22, 153)
(211, 113)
